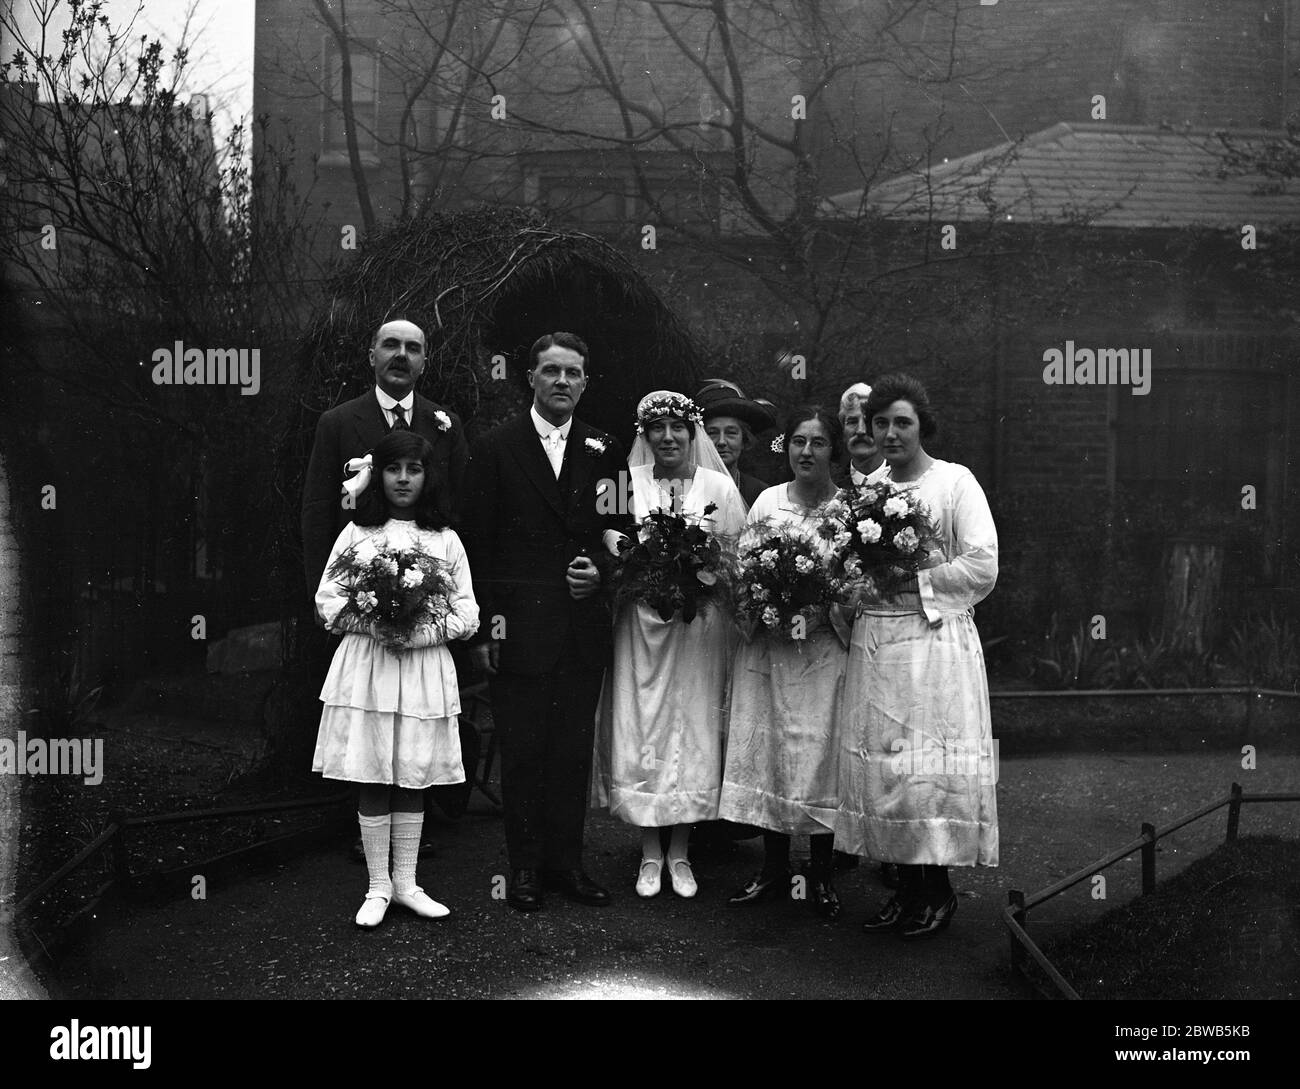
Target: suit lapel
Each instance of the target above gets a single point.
(368, 419)
(425, 421)
(526, 449)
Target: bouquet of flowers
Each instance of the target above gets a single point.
(785, 586)
(880, 532)
(397, 590)
(674, 565)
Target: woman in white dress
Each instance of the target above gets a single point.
(781, 771)
(658, 756)
(917, 769)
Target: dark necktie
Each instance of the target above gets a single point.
(399, 419)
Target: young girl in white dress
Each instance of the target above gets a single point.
(658, 751)
(390, 717)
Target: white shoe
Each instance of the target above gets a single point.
(417, 901)
(647, 881)
(683, 879)
(372, 911)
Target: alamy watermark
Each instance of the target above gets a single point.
(182, 366)
(116, 1043)
(53, 756)
(953, 757)
(1104, 367)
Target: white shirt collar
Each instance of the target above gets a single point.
(867, 478)
(545, 427)
(387, 403)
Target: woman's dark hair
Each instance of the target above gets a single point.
(428, 512)
(831, 425)
(903, 387)
(690, 424)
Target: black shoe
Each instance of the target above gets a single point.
(576, 886)
(889, 917)
(760, 886)
(711, 838)
(525, 891)
(926, 921)
(825, 900)
(889, 876)
(845, 861)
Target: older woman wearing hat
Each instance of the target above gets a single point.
(658, 756)
(730, 420)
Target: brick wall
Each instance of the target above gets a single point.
(14, 667)
(15, 697)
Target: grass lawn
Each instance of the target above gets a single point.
(1227, 927)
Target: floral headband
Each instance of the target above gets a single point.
(661, 403)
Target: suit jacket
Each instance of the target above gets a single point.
(841, 476)
(522, 526)
(348, 431)
(750, 488)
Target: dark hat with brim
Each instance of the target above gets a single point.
(718, 397)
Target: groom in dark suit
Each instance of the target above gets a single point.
(538, 548)
(351, 429)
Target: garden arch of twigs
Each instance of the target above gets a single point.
(484, 283)
(488, 282)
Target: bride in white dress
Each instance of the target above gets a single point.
(659, 736)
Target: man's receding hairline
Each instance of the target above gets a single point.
(399, 321)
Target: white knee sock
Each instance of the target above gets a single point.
(406, 849)
(375, 832)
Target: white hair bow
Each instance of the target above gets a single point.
(354, 486)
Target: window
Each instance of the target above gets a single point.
(365, 99)
(600, 190)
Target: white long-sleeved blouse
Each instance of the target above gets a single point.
(967, 537)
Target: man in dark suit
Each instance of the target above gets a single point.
(351, 429)
(544, 504)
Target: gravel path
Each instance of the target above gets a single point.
(288, 933)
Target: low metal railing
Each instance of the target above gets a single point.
(1016, 913)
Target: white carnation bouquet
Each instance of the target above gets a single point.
(391, 591)
(880, 533)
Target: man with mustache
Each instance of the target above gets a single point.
(350, 430)
(866, 462)
(866, 465)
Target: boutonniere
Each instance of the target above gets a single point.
(596, 447)
(444, 421)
